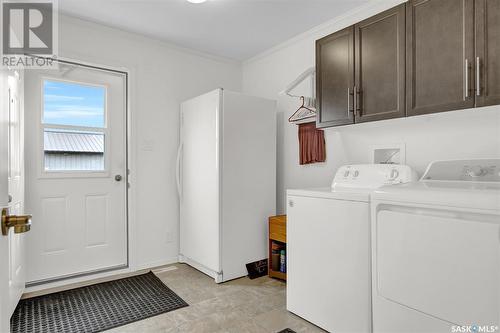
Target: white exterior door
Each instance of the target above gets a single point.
(13, 268)
(76, 172)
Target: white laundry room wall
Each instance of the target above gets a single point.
(161, 77)
(472, 133)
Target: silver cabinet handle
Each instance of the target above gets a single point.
(466, 85)
(349, 102)
(357, 107)
(355, 99)
(478, 76)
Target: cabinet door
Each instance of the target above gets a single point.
(380, 66)
(335, 78)
(487, 52)
(440, 55)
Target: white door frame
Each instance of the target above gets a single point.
(128, 175)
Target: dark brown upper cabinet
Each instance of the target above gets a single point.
(425, 56)
(380, 66)
(361, 71)
(440, 56)
(335, 79)
(487, 61)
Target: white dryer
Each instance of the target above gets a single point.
(328, 247)
(436, 251)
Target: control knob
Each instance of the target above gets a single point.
(476, 172)
(394, 174)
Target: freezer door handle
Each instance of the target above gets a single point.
(178, 170)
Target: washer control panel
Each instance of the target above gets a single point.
(480, 170)
(372, 175)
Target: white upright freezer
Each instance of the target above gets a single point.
(226, 179)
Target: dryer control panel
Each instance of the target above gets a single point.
(373, 175)
(479, 170)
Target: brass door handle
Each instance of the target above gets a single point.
(20, 223)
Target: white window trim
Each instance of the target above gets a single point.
(43, 173)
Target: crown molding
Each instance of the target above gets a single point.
(339, 22)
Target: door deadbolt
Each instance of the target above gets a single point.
(118, 178)
(21, 223)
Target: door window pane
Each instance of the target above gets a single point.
(67, 103)
(83, 107)
(73, 150)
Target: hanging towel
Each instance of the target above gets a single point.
(311, 144)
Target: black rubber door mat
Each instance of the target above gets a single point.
(96, 308)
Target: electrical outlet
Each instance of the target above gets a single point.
(147, 145)
(170, 237)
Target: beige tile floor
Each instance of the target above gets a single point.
(239, 306)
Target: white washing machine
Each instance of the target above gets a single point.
(436, 251)
(328, 247)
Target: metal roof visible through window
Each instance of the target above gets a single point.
(73, 142)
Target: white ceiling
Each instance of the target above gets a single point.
(236, 29)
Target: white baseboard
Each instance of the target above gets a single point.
(158, 263)
(218, 277)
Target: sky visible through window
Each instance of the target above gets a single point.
(73, 104)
